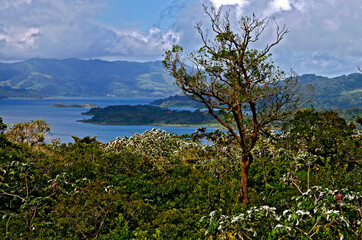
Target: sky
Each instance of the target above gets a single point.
(325, 36)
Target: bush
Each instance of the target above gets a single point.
(320, 213)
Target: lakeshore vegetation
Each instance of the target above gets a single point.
(249, 182)
(158, 185)
(147, 115)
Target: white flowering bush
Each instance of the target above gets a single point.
(319, 213)
(157, 145)
(163, 147)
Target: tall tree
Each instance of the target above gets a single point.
(239, 85)
(32, 132)
(3, 126)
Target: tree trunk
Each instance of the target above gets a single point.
(246, 160)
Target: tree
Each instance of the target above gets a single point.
(32, 132)
(3, 139)
(239, 85)
(2, 126)
(358, 119)
(321, 133)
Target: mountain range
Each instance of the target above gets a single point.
(339, 92)
(84, 78)
(97, 78)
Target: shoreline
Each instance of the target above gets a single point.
(155, 124)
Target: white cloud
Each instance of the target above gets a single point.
(219, 3)
(15, 40)
(277, 6)
(67, 28)
(13, 3)
(139, 45)
(27, 38)
(281, 4)
(325, 35)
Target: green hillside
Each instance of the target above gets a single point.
(341, 92)
(87, 78)
(75, 77)
(177, 101)
(338, 92)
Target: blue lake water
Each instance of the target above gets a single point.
(63, 121)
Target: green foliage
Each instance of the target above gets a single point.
(121, 232)
(320, 213)
(3, 139)
(229, 75)
(3, 126)
(26, 197)
(349, 114)
(158, 185)
(31, 132)
(321, 133)
(338, 92)
(146, 115)
(84, 213)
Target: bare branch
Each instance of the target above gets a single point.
(13, 195)
(229, 75)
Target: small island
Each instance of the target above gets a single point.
(58, 105)
(148, 115)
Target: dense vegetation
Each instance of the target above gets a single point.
(304, 184)
(146, 115)
(338, 92)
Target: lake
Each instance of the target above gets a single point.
(63, 121)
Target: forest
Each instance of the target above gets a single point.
(147, 115)
(247, 180)
(159, 185)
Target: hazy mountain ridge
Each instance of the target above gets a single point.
(339, 92)
(330, 93)
(75, 77)
(88, 78)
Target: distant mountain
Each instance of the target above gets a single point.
(86, 78)
(338, 92)
(75, 77)
(8, 92)
(177, 101)
(330, 93)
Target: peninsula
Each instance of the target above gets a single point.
(147, 115)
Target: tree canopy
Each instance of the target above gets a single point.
(229, 75)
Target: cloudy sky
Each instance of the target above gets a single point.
(325, 35)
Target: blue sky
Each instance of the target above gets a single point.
(325, 35)
(134, 14)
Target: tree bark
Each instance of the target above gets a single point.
(246, 162)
